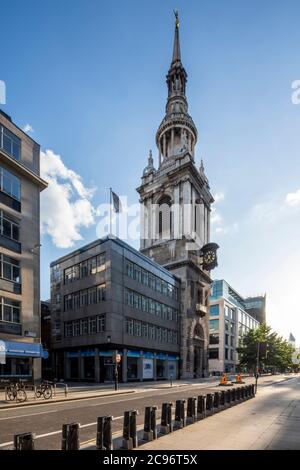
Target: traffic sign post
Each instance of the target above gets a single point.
(117, 361)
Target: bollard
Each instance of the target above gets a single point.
(253, 390)
(66, 390)
(242, 393)
(201, 408)
(104, 433)
(24, 441)
(130, 440)
(133, 428)
(148, 435)
(170, 423)
(127, 440)
(150, 428)
(222, 399)
(180, 413)
(70, 436)
(153, 422)
(238, 394)
(228, 398)
(209, 404)
(233, 397)
(191, 409)
(216, 402)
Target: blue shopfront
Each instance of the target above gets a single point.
(17, 359)
(98, 365)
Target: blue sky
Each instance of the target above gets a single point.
(89, 78)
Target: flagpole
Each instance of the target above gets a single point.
(110, 215)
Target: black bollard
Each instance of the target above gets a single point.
(209, 404)
(238, 394)
(153, 421)
(201, 407)
(127, 439)
(104, 433)
(70, 437)
(228, 397)
(222, 399)
(233, 397)
(242, 393)
(24, 441)
(180, 413)
(166, 418)
(191, 409)
(133, 428)
(216, 402)
(148, 435)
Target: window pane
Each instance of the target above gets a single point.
(6, 228)
(7, 313)
(6, 270)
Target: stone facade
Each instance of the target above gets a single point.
(175, 216)
(19, 251)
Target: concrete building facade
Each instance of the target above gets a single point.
(20, 187)
(108, 297)
(229, 320)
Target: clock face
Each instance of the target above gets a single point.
(209, 257)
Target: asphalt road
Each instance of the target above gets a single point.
(46, 420)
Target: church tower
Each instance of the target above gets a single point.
(175, 217)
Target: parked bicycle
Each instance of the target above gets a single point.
(16, 391)
(45, 390)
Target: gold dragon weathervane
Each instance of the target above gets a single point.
(176, 18)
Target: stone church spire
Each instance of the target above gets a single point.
(177, 133)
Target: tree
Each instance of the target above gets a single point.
(274, 352)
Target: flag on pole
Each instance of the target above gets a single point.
(116, 202)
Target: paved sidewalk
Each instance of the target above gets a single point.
(269, 421)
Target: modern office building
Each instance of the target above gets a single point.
(256, 307)
(108, 297)
(229, 319)
(20, 187)
(296, 354)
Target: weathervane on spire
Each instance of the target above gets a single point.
(176, 18)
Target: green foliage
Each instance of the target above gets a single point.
(274, 351)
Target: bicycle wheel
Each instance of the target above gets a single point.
(11, 395)
(21, 395)
(47, 393)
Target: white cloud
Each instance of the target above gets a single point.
(28, 128)
(219, 197)
(66, 204)
(293, 199)
(215, 217)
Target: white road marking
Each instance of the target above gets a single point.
(32, 414)
(39, 436)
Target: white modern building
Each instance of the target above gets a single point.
(229, 319)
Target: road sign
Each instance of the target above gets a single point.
(118, 358)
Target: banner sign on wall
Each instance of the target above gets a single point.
(147, 368)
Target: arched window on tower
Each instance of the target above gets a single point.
(164, 218)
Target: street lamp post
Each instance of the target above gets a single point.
(116, 370)
(257, 365)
